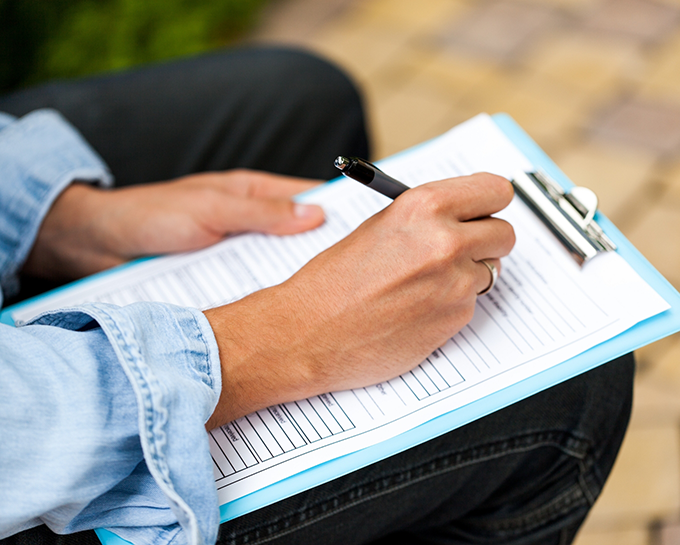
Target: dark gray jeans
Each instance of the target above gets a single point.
(527, 474)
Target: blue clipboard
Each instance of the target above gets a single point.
(648, 331)
(643, 333)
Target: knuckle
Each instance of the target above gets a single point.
(244, 180)
(426, 200)
(207, 193)
(443, 246)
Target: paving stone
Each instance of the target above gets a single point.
(450, 75)
(427, 15)
(586, 62)
(657, 399)
(361, 49)
(571, 5)
(501, 29)
(644, 20)
(574, 6)
(649, 358)
(645, 481)
(666, 367)
(545, 110)
(663, 78)
(412, 115)
(656, 236)
(668, 534)
(615, 174)
(450, 71)
(293, 21)
(490, 93)
(670, 175)
(646, 125)
(634, 536)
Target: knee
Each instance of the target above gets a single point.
(317, 82)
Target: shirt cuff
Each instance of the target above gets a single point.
(170, 357)
(40, 155)
(6, 119)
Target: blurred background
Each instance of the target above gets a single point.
(45, 39)
(595, 82)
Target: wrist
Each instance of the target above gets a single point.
(257, 355)
(71, 241)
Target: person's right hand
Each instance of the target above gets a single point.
(372, 306)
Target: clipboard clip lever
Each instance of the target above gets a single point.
(569, 215)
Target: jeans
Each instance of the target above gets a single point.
(527, 474)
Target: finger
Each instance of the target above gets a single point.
(472, 197)
(270, 186)
(485, 277)
(263, 185)
(273, 216)
(488, 238)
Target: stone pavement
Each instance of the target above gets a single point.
(597, 84)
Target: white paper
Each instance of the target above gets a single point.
(543, 310)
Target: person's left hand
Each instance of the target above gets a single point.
(90, 229)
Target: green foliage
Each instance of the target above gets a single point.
(45, 39)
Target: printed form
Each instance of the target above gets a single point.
(544, 310)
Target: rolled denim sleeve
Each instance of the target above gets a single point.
(40, 154)
(103, 415)
(102, 408)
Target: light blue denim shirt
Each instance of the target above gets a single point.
(102, 408)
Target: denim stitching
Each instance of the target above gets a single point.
(206, 368)
(582, 478)
(562, 504)
(154, 415)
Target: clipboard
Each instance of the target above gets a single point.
(648, 331)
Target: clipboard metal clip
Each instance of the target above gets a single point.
(569, 215)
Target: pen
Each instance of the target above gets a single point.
(370, 175)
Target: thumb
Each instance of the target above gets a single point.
(273, 216)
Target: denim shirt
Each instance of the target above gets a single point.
(102, 408)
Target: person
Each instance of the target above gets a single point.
(104, 409)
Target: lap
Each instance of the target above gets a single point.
(525, 474)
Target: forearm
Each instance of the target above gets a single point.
(73, 240)
(257, 339)
(40, 155)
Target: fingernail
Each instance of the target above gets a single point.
(304, 211)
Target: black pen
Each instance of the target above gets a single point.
(370, 175)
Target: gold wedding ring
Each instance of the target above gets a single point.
(494, 276)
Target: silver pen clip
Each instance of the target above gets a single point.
(570, 216)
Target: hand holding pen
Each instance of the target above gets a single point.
(371, 176)
(370, 307)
